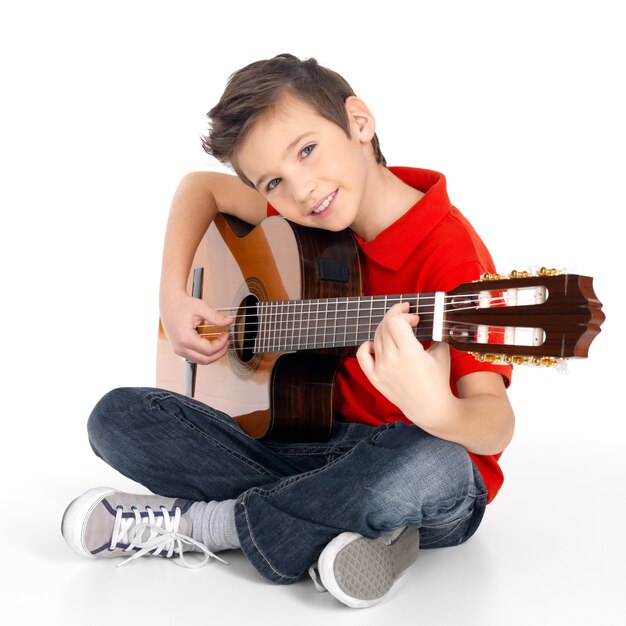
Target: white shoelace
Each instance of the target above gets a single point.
(164, 536)
(315, 576)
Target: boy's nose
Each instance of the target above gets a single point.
(304, 191)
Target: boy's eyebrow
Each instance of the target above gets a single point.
(290, 147)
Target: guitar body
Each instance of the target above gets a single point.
(276, 395)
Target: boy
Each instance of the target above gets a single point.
(421, 428)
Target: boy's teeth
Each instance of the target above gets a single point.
(324, 204)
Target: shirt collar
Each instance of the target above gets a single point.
(393, 246)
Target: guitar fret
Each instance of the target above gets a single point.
(313, 327)
(375, 315)
(279, 327)
(307, 315)
(257, 339)
(291, 325)
(288, 327)
(288, 333)
(335, 322)
(350, 335)
(270, 319)
(266, 324)
(362, 322)
(294, 325)
(327, 341)
(298, 325)
(423, 331)
(275, 341)
(270, 329)
(342, 316)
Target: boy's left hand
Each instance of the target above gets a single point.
(416, 380)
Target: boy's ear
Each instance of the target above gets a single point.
(361, 119)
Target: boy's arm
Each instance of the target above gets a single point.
(417, 381)
(198, 199)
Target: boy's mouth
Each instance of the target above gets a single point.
(322, 207)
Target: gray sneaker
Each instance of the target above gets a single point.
(104, 523)
(359, 571)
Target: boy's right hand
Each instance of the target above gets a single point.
(180, 317)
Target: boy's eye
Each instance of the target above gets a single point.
(272, 184)
(307, 150)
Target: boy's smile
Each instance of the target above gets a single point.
(323, 208)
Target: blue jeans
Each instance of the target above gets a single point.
(292, 499)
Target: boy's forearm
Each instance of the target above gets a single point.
(192, 211)
(483, 424)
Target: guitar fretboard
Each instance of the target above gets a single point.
(337, 322)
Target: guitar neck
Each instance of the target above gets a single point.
(338, 322)
(554, 316)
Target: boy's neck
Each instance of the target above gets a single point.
(386, 200)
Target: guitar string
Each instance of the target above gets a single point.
(286, 319)
(353, 328)
(282, 344)
(284, 310)
(358, 299)
(278, 339)
(307, 329)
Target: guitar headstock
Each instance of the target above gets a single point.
(524, 318)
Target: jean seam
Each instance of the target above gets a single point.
(191, 426)
(305, 451)
(455, 522)
(376, 436)
(287, 482)
(256, 545)
(449, 528)
(334, 450)
(196, 406)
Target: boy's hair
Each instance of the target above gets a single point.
(256, 88)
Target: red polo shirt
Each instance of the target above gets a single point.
(432, 247)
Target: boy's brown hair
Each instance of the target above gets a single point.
(256, 88)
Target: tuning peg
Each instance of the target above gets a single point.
(488, 276)
(519, 274)
(544, 271)
(533, 270)
(536, 270)
(560, 365)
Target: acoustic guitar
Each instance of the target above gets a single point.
(297, 297)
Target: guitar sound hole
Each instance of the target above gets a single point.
(246, 329)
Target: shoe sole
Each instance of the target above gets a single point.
(76, 516)
(360, 572)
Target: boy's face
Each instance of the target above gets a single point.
(306, 166)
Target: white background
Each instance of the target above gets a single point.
(520, 104)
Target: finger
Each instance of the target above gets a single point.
(402, 309)
(379, 339)
(203, 359)
(365, 359)
(209, 314)
(206, 341)
(440, 351)
(206, 351)
(399, 308)
(399, 332)
(384, 336)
